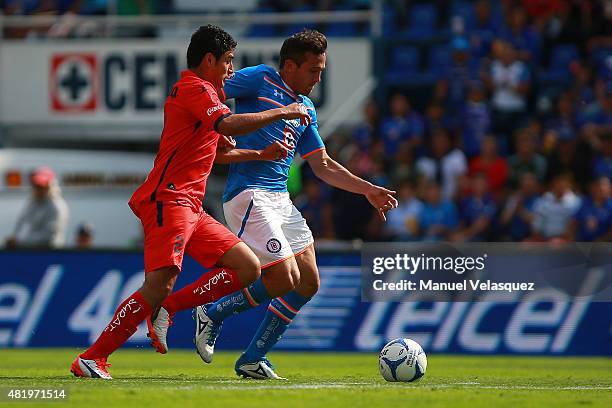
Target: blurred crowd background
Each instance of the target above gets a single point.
(492, 119)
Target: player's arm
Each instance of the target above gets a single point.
(243, 123)
(334, 174)
(274, 151)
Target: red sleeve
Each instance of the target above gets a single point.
(204, 103)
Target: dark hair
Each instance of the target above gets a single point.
(296, 46)
(208, 38)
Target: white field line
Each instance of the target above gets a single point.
(348, 385)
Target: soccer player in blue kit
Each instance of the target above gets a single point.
(258, 208)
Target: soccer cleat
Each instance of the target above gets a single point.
(158, 330)
(90, 368)
(261, 370)
(207, 331)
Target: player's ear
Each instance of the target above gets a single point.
(209, 59)
(290, 65)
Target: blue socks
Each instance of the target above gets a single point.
(237, 302)
(280, 313)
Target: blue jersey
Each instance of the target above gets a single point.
(256, 89)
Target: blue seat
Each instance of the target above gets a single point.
(389, 23)
(291, 29)
(560, 59)
(439, 59)
(262, 30)
(404, 64)
(423, 20)
(600, 57)
(347, 29)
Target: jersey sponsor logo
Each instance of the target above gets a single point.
(212, 110)
(274, 246)
(73, 82)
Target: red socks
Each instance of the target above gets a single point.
(125, 322)
(211, 286)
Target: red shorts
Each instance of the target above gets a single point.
(170, 230)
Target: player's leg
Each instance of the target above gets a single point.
(166, 228)
(257, 218)
(211, 245)
(283, 308)
(130, 313)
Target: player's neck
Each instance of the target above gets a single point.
(286, 81)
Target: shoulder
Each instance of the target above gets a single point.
(192, 85)
(307, 101)
(256, 71)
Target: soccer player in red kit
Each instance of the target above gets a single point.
(169, 202)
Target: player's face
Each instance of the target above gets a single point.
(308, 74)
(224, 68)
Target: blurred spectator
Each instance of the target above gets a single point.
(494, 167)
(526, 159)
(316, 209)
(554, 210)
(436, 117)
(403, 166)
(368, 130)
(570, 156)
(439, 216)
(42, 224)
(541, 11)
(603, 162)
(475, 120)
(403, 222)
(444, 165)
(564, 123)
(84, 236)
(452, 84)
(402, 126)
(583, 86)
(508, 80)
(593, 222)
(485, 29)
(597, 119)
(136, 8)
(524, 39)
(351, 213)
(476, 211)
(517, 215)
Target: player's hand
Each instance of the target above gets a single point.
(382, 199)
(275, 151)
(297, 111)
(226, 143)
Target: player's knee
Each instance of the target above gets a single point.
(313, 287)
(250, 270)
(291, 279)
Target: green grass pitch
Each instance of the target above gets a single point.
(143, 378)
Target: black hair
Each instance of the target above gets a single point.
(208, 38)
(296, 46)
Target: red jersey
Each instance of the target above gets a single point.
(188, 145)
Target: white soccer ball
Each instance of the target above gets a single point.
(402, 360)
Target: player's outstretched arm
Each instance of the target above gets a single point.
(334, 174)
(243, 123)
(275, 151)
